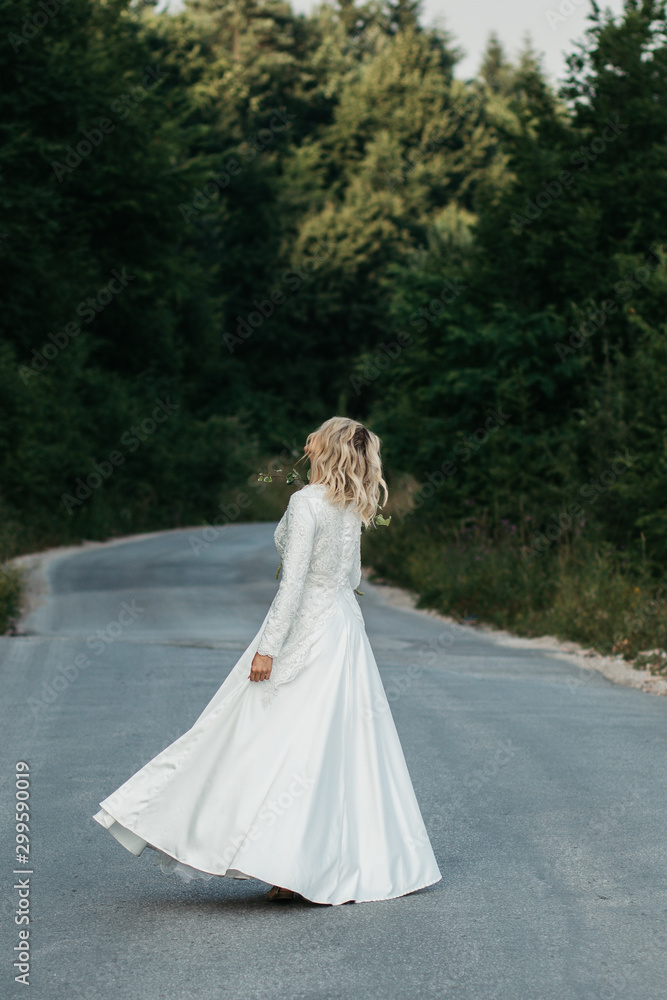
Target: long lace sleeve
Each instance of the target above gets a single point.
(299, 537)
(355, 571)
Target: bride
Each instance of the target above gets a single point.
(293, 774)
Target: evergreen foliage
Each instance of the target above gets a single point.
(220, 226)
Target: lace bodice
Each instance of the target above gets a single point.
(321, 555)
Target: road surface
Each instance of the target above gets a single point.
(542, 787)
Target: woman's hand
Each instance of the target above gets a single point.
(260, 669)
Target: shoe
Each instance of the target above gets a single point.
(283, 895)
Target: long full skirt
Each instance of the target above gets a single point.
(302, 785)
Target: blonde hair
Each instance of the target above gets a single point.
(345, 457)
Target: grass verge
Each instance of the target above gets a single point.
(582, 591)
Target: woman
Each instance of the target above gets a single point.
(294, 774)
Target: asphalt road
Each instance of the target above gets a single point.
(542, 788)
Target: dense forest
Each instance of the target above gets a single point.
(219, 227)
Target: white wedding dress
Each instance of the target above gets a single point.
(298, 781)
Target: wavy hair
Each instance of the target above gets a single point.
(345, 457)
